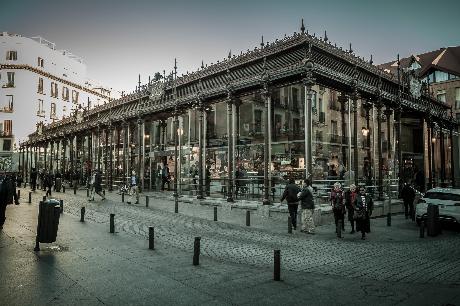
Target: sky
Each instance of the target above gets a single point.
(119, 40)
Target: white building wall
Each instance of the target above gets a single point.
(58, 68)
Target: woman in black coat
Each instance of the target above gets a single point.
(363, 212)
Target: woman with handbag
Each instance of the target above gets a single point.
(363, 212)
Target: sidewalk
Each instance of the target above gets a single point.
(89, 266)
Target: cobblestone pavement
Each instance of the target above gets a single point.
(393, 253)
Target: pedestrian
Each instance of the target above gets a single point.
(290, 194)
(363, 212)
(134, 183)
(48, 183)
(75, 179)
(338, 208)
(350, 202)
(207, 180)
(96, 181)
(16, 182)
(57, 181)
(165, 177)
(33, 179)
(307, 205)
(6, 196)
(408, 195)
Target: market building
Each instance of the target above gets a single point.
(298, 107)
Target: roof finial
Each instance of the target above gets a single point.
(351, 50)
(371, 61)
(230, 54)
(325, 36)
(262, 43)
(139, 82)
(202, 64)
(175, 67)
(302, 28)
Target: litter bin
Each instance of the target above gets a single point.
(432, 220)
(48, 221)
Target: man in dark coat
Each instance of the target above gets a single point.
(33, 178)
(408, 195)
(6, 196)
(290, 194)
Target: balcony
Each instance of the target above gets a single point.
(6, 134)
(6, 109)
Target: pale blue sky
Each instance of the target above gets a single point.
(120, 39)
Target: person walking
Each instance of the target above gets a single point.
(97, 185)
(134, 183)
(6, 196)
(350, 202)
(48, 183)
(165, 177)
(307, 205)
(338, 208)
(33, 179)
(408, 195)
(290, 194)
(91, 183)
(363, 212)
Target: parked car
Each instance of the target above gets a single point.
(448, 201)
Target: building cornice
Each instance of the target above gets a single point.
(53, 77)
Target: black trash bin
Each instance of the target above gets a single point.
(432, 220)
(48, 221)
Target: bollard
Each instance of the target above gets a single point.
(388, 219)
(147, 201)
(61, 205)
(87, 192)
(176, 206)
(122, 197)
(112, 223)
(422, 229)
(63, 188)
(103, 192)
(44, 198)
(74, 188)
(151, 238)
(82, 214)
(289, 225)
(30, 197)
(248, 218)
(196, 251)
(215, 213)
(19, 194)
(339, 229)
(277, 265)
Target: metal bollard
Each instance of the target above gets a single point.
(196, 251)
(112, 223)
(176, 206)
(215, 213)
(151, 238)
(82, 214)
(289, 225)
(30, 197)
(87, 192)
(339, 229)
(61, 205)
(63, 188)
(277, 265)
(19, 194)
(147, 199)
(248, 218)
(122, 197)
(75, 189)
(388, 219)
(103, 192)
(422, 229)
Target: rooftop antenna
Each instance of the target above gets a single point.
(371, 61)
(325, 36)
(230, 54)
(262, 43)
(302, 27)
(202, 64)
(351, 50)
